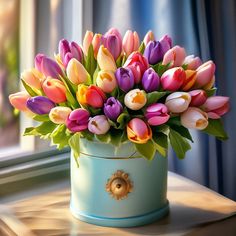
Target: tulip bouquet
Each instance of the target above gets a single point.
(115, 89)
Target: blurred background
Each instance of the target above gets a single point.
(204, 27)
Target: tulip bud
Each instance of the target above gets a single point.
(58, 115)
(194, 118)
(77, 120)
(175, 56)
(40, 105)
(205, 72)
(76, 72)
(210, 84)
(138, 131)
(148, 37)
(106, 81)
(115, 32)
(198, 97)
(38, 61)
(189, 81)
(192, 62)
(81, 94)
(19, 99)
(130, 42)
(32, 77)
(125, 79)
(150, 80)
(54, 89)
(88, 38)
(98, 125)
(105, 59)
(97, 41)
(157, 114)
(178, 102)
(216, 106)
(135, 99)
(173, 79)
(112, 108)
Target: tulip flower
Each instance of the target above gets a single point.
(148, 37)
(178, 102)
(192, 62)
(115, 32)
(150, 80)
(216, 106)
(194, 118)
(138, 64)
(96, 42)
(98, 125)
(54, 89)
(173, 79)
(32, 77)
(130, 42)
(48, 66)
(198, 97)
(76, 72)
(205, 73)
(210, 84)
(58, 115)
(67, 51)
(105, 59)
(157, 114)
(138, 131)
(135, 99)
(112, 108)
(40, 105)
(19, 99)
(125, 79)
(88, 38)
(92, 96)
(189, 80)
(77, 120)
(106, 81)
(175, 56)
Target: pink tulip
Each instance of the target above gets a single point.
(130, 42)
(115, 32)
(157, 114)
(88, 38)
(205, 73)
(98, 125)
(216, 106)
(96, 42)
(18, 100)
(198, 97)
(173, 79)
(175, 56)
(192, 62)
(148, 37)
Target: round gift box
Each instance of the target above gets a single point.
(113, 186)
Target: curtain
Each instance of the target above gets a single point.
(204, 28)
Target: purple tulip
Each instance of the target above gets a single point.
(68, 51)
(150, 80)
(113, 43)
(125, 78)
(157, 114)
(78, 120)
(112, 108)
(40, 105)
(48, 66)
(155, 50)
(98, 124)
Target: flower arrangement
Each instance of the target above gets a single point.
(114, 89)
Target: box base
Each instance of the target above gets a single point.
(122, 222)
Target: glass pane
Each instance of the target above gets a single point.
(9, 74)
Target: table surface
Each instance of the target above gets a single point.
(194, 210)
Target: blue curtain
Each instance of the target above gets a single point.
(204, 28)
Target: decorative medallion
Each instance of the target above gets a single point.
(119, 185)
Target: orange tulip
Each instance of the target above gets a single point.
(33, 78)
(190, 80)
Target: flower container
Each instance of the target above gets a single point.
(110, 188)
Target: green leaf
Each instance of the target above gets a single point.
(174, 121)
(162, 129)
(41, 117)
(160, 69)
(116, 136)
(183, 132)
(185, 66)
(119, 61)
(88, 135)
(29, 89)
(216, 128)
(74, 143)
(123, 60)
(211, 92)
(160, 141)
(141, 48)
(179, 144)
(147, 150)
(95, 74)
(153, 97)
(122, 119)
(104, 138)
(90, 62)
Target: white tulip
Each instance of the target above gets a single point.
(194, 118)
(135, 99)
(58, 115)
(178, 102)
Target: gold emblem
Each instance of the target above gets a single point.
(119, 185)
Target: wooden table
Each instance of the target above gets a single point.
(194, 210)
